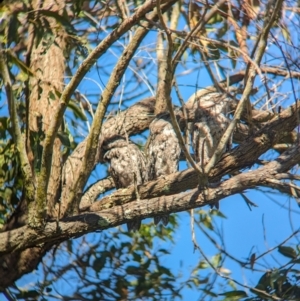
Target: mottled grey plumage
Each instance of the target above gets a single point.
(163, 152)
(211, 121)
(128, 166)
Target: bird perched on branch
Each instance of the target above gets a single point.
(210, 124)
(128, 166)
(163, 152)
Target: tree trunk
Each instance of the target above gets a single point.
(47, 62)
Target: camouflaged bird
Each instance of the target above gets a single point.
(163, 152)
(128, 166)
(210, 124)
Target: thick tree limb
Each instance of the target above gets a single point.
(113, 213)
(76, 226)
(136, 119)
(145, 110)
(43, 93)
(19, 263)
(284, 187)
(242, 156)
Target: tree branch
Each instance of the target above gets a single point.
(76, 226)
(240, 157)
(88, 159)
(136, 119)
(92, 192)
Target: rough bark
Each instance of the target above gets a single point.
(143, 113)
(163, 195)
(242, 156)
(105, 218)
(47, 62)
(44, 88)
(245, 155)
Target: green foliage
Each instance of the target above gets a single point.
(282, 283)
(287, 251)
(234, 295)
(115, 266)
(10, 176)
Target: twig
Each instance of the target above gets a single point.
(288, 67)
(228, 45)
(248, 87)
(192, 223)
(199, 26)
(167, 82)
(222, 250)
(185, 114)
(280, 244)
